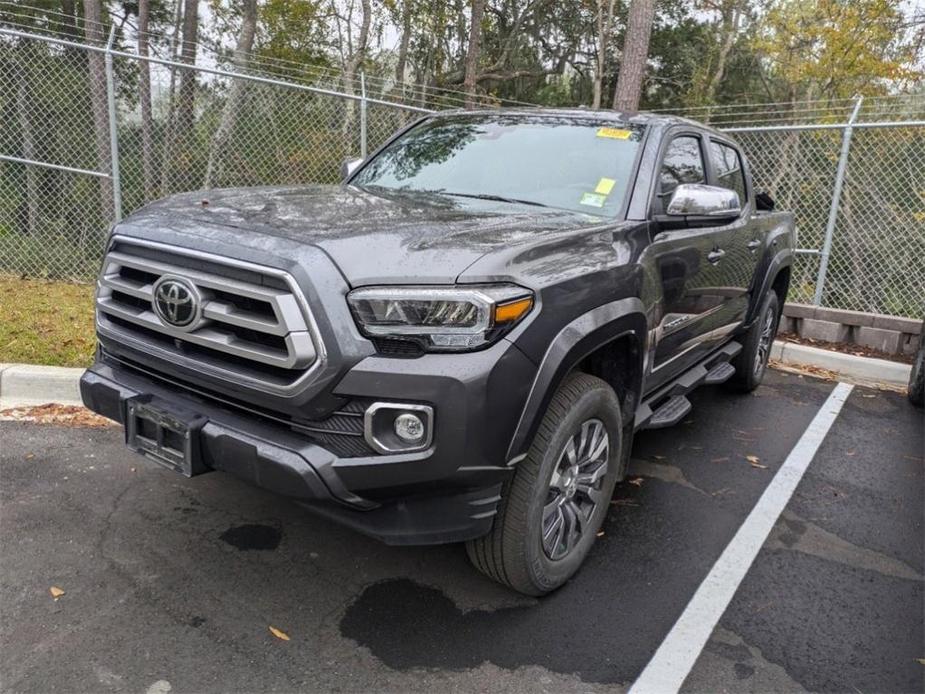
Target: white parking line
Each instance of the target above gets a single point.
(677, 654)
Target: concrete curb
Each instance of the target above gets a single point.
(849, 367)
(25, 385)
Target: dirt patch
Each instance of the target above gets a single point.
(66, 415)
(856, 350)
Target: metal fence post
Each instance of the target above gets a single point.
(113, 130)
(836, 201)
(363, 115)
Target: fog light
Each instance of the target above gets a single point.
(409, 427)
(398, 427)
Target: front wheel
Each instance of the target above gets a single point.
(554, 505)
(752, 362)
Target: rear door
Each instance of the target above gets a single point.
(688, 268)
(742, 240)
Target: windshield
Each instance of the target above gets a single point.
(573, 163)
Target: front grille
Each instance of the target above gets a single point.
(250, 322)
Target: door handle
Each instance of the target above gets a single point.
(753, 245)
(716, 255)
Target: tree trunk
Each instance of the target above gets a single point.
(355, 59)
(635, 54)
(235, 93)
(180, 131)
(144, 98)
(403, 44)
(187, 98)
(731, 17)
(169, 132)
(98, 102)
(603, 30)
(28, 152)
(473, 50)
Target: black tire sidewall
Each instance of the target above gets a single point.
(600, 403)
(770, 303)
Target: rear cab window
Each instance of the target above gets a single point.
(727, 166)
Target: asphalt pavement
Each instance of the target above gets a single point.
(172, 584)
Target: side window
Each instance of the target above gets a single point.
(683, 163)
(728, 166)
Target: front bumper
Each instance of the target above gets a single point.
(447, 493)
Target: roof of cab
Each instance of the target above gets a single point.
(639, 118)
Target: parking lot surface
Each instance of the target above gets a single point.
(172, 584)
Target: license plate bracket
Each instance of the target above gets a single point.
(166, 434)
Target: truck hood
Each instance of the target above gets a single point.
(373, 237)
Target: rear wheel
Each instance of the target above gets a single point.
(554, 505)
(752, 362)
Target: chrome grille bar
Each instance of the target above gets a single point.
(262, 324)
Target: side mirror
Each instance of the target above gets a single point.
(348, 166)
(711, 202)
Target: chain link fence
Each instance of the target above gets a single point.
(875, 222)
(854, 177)
(204, 128)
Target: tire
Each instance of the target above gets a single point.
(752, 362)
(514, 552)
(917, 377)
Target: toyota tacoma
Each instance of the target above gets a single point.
(458, 342)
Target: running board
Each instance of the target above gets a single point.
(670, 412)
(669, 404)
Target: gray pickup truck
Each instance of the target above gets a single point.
(459, 341)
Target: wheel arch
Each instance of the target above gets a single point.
(608, 342)
(777, 278)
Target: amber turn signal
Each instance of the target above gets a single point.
(513, 310)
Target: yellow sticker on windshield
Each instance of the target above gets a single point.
(593, 199)
(614, 133)
(605, 185)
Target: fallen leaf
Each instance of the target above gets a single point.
(754, 461)
(600, 533)
(851, 453)
(636, 481)
(281, 635)
(30, 456)
(56, 592)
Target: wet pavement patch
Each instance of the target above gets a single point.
(252, 537)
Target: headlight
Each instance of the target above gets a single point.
(441, 319)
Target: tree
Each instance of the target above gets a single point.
(144, 98)
(473, 50)
(93, 28)
(635, 55)
(603, 21)
(235, 91)
(23, 113)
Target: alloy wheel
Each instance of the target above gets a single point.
(764, 342)
(575, 489)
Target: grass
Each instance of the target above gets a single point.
(46, 322)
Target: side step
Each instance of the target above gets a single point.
(670, 413)
(673, 405)
(720, 374)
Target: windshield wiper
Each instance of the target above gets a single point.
(495, 198)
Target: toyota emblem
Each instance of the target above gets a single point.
(176, 302)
